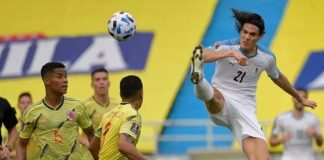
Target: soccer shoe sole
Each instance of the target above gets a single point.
(197, 61)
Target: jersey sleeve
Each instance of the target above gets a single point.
(277, 128)
(131, 126)
(27, 125)
(9, 117)
(224, 45)
(83, 117)
(272, 69)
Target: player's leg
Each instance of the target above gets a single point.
(212, 97)
(255, 148)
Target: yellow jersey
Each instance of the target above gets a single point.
(55, 129)
(122, 119)
(95, 112)
(32, 148)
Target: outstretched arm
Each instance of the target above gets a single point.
(212, 55)
(284, 84)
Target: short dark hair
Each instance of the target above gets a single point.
(130, 86)
(24, 94)
(242, 17)
(49, 67)
(99, 70)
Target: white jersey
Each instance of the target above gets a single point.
(241, 81)
(300, 144)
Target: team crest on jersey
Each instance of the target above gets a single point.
(71, 115)
(135, 128)
(256, 70)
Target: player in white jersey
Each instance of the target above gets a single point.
(230, 100)
(295, 130)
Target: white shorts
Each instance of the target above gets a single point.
(240, 118)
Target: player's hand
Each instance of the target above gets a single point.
(4, 153)
(241, 59)
(309, 103)
(311, 132)
(286, 137)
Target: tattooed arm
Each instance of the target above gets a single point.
(126, 146)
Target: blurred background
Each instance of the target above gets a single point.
(175, 123)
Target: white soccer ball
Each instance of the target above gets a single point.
(122, 26)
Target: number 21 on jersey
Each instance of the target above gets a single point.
(239, 77)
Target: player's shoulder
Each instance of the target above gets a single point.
(130, 111)
(310, 115)
(113, 102)
(266, 52)
(88, 101)
(228, 42)
(3, 100)
(73, 102)
(34, 107)
(284, 115)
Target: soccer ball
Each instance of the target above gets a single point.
(122, 26)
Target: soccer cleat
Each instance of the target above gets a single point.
(197, 61)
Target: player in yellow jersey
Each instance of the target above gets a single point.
(54, 121)
(119, 130)
(97, 105)
(24, 101)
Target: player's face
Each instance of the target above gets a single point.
(100, 83)
(298, 105)
(249, 36)
(57, 81)
(24, 102)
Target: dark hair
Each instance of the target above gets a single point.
(24, 94)
(99, 70)
(242, 17)
(50, 66)
(130, 86)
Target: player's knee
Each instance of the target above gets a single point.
(215, 105)
(213, 109)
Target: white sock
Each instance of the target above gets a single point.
(204, 91)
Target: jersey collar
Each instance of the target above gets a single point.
(52, 108)
(94, 99)
(246, 54)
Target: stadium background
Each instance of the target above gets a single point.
(167, 30)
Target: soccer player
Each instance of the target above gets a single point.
(8, 118)
(54, 121)
(24, 101)
(119, 130)
(98, 104)
(295, 130)
(230, 99)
